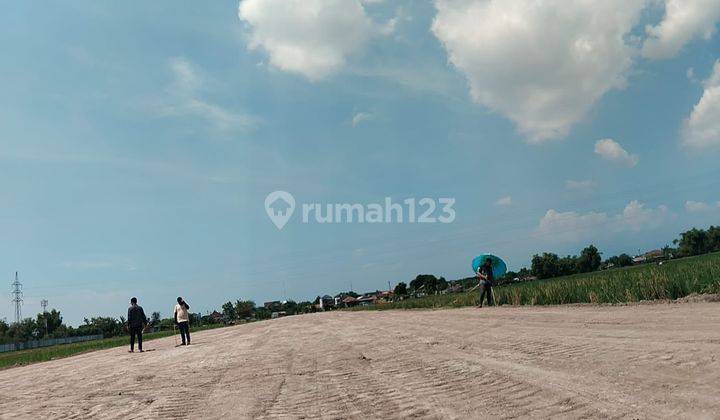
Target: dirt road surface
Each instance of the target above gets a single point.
(643, 361)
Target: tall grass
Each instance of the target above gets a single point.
(672, 280)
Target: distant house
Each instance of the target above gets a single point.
(217, 317)
(349, 301)
(275, 305)
(385, 295)
(607, 266)
(650, 256)
(366, 300)
(654, 255)
(326, 302)
(279, 314)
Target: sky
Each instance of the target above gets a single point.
(140, 140)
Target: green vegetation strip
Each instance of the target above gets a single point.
(43, 354)
(672, 280)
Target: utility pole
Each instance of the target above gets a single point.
(44, 304)
(17, 298)
(389, 287)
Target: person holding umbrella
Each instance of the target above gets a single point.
(488, 267)
(182, 320)
(485, 274)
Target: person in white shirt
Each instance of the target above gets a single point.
(182, 320)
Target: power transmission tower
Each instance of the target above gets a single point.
(17, 298)
(44, 304)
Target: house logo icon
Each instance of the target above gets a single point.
(279, 206)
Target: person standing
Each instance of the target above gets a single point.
(486, 276)
(182, 320)
(136, 321)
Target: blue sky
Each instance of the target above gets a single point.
(140, 140)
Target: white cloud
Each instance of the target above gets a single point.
(570, 226)
(186, 78)
(504, 201)
(186, 101)
(611, 150)
(541, 64)
(573, 226)
(635, 217)
(361, 117)
(313, 38)
(684, 20)
(585, 185)
(702, 128)
(696, 206)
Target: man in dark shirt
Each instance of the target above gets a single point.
(485, 274)
(136, 321)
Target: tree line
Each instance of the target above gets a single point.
(698, 241)
(50, 325)
(546, 265)
(246, 310)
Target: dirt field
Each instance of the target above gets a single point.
(643, 361)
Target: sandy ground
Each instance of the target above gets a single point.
(643, 361)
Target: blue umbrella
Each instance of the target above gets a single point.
(499, 266)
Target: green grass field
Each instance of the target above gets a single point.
(672, 280)
(42, 354)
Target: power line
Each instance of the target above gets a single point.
(17, 298)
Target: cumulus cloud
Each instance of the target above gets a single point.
(585, 185)
(684, 20)
(360, 117)
(702, 128)
(186, 100)
(504, 201)
(635, 217)
(573, 226)
(570, 226)
(541, 64)
(313, 38)
(697, 206)
(611, 150)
